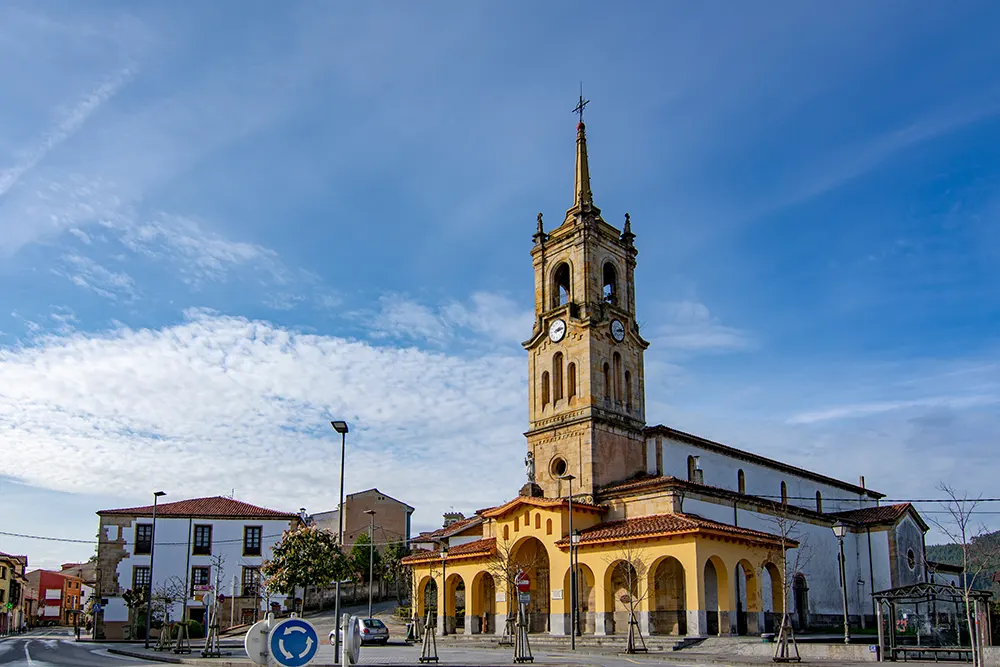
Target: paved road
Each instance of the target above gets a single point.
(56, 647)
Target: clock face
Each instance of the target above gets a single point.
(557, 330)
(617, 330)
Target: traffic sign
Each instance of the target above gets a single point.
(293, 642)
(523, 582)
(524, 598)
(96, 609)
(222, 598)
(256, 642)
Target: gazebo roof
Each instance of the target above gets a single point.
(928, 591)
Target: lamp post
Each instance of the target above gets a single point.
(341, 428)
(152, 550)
(839, 529)
(444, 589)
(572, 567)
(575, 541)
(371, 559)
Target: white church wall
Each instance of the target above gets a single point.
(722, 471)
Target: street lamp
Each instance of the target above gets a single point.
(840, 529)
(371, 559)
(152, 550)
(341, 428)
(572, 569)
(444, 589)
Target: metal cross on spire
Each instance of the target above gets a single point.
(583, 103)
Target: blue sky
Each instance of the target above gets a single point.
(223, 224)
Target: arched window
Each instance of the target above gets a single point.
(618, 376)
(819, 501)
(628, 391)
(741, 481)
(784, 493)
(607, 381)
(557, 376)
(610, 291)
(570, 380)
(545, 388)
(517, 523)
(548, 526)
(538, 521)
(506, 532)
(691, 466)
(561, 285)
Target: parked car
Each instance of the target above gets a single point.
(371, 631)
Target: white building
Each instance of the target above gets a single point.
(200, 544)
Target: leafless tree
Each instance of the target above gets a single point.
(504, 565)
(166, 595)
(631, 561)
(793, 552)
(979, 553)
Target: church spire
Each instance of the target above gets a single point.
(582, 196)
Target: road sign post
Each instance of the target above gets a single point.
(293, 643)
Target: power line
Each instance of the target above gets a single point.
(163, 544)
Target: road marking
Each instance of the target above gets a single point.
(27, 656)
(634, 662)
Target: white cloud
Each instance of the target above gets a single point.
(494, 316)
(220, 402)
(85, 272)
(858, 410)
(689, 326)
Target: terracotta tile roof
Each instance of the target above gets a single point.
(756, 458)
(540, 502)
(884, 514)
(22, 559)
(665, 524)
(215, 507)
(447, 531)
(482, 547)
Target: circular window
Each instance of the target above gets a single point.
(911, 559)
(558, 466)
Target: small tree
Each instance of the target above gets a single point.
(359, 561)
(135, 600)
(630, 561)
(784, 526)
(392, 570)
(164, 597)
(305, 556)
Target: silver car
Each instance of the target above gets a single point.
(371, 631)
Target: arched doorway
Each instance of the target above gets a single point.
(454, 606)
(773, 603)
(669, 603)
(747, 599)
(800, 594)
(427, 600)
(586, 598)
(621, 586)
(483, 603)
(716, 596)
(530, 556)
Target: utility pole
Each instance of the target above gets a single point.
(371, 559)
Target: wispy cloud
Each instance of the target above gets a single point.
(75, 119)
(689, 326)
(867, 409)
(494, 316)
(89, 274)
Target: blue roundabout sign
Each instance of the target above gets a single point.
(293, 643)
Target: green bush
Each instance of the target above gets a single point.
(195, 629)
(403, 612)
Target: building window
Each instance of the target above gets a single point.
(610, 291)
(200, 576)
(558, 466)
(741, 481)
(691, 468)
(607, 381)
(545, 388)
(561, 286)
(251, 581)
(3, 572)
(548, 526)
(557, 376)
(202, 541)
(143, 538)
(911, 559)
(618, 377)
(251, 540)
(140, 577)
(784, 493)
(517, 523)
(628, 391)
(538, 521)
(819, 501)
(570, 379)
(506, 533)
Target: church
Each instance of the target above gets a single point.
(650, 525)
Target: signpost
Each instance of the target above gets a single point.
(256, 640)
(293, 643)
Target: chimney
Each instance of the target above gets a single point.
(452, 517)
(861, 482)
(699, 474)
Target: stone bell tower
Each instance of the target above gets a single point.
(586, 399)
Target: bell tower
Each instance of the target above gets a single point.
(586, 399)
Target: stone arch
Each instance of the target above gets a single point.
(716, 583)
(482, 603)
(668, 597)
(562, 284)
(617, 384)
(571, 380)
(427, 595)
(607, 381)
(800, 600)
(529, 554)
(772, 599)
(548, 526)
(545, 388)
(621, 581)
(586, 591)
(557, 376)
(454, 602)
(609, 275)
(747, 598)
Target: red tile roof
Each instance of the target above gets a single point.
(23, 559)
(447, 531)
(483, 547)
(540, 502)
(884, 514)
(216, 507)
(666, 524)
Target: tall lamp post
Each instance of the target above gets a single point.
(572, 566)
(341, 428)
(444, 590)
(371, 559)
(152, 550)
(839, 529)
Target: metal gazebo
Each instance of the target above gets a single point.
(938, 628)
